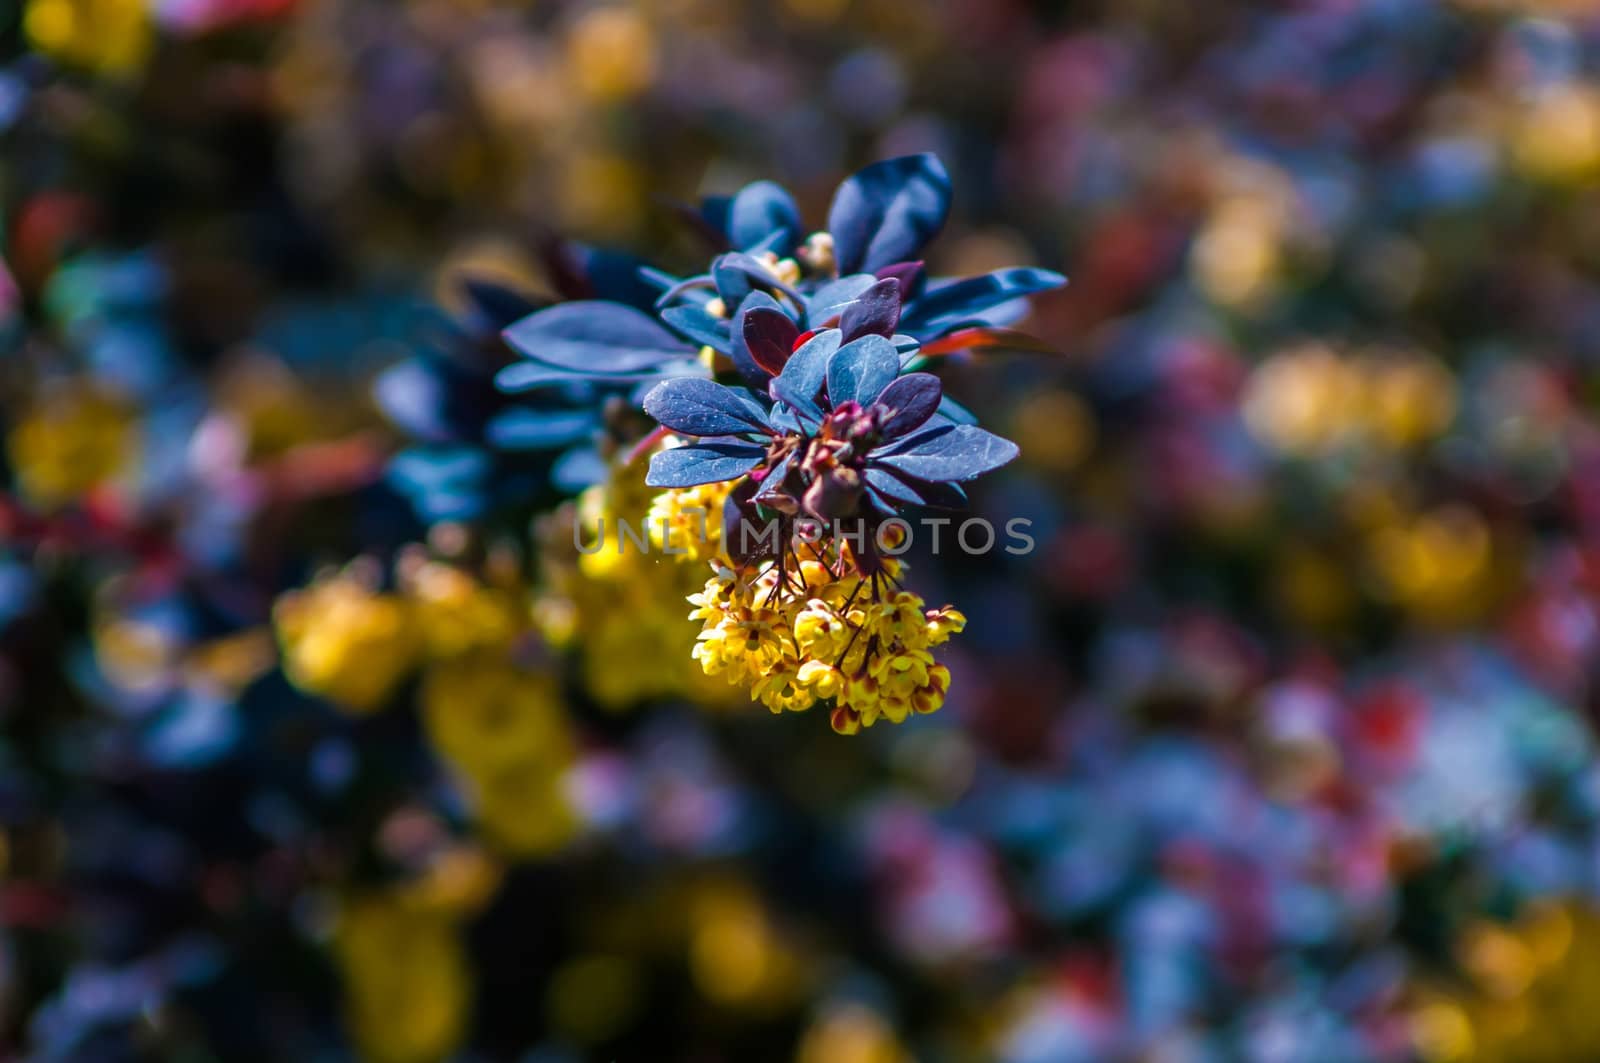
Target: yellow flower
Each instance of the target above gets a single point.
(688, 521)
(851, 1033)
(346, 642)
(71, 440)
(828, 635)
(612, 51)
(1440, 565)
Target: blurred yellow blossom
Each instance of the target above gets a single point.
(1239, 249)
(1311, 399)
(1558, 136)
(620, 599)
(505, 730)
(1438, 564)
(484, 714)
(72, 438)
(612, 50)
(522, 809)
(456, 613)
(1525, 995)
(110, 37)
(345, 641)
(851, 1033)
(1054, 428)
(736, 955)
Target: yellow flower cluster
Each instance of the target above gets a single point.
(688, 522)
(502, 728)
(794, 638)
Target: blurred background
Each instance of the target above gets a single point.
(1279, 748)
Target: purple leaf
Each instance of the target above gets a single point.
(743, 359)
(876, 311)
(912, 399)
(911, 275)
(769, 336)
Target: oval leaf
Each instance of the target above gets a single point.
(744, 359)
(769, 336)
(967, 299)
(876, 311)
(736, 275)
(830, 300)
(699, 326)
(524, 429)
(702, 463)
(759, 211)
(696, 407)
(912, 399)
(947, 453)
(859, 371)
(804, 373)
(596, 337)
(885, 213)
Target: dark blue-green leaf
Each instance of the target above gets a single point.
(804, 373)
(696, 407)
(699, 326)
(830, 300)
(525, 429)
(596, 337)
(702, 463)
(961, 300)
(858, 371)
(947, 453)
(736, 275)
(759, 211)
(887, 212)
